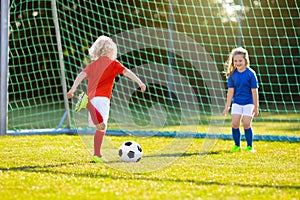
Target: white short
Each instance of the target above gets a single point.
(245, 110)
(102, 104)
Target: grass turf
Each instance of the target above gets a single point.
(58, 167)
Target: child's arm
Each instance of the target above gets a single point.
(128, 73)
(77, 81)
(228, 100)
(255, 100)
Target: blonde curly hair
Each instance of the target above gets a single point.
(229, 66)
(103, 46)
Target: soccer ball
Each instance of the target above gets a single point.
(130, 151)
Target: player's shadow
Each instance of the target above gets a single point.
(182, 154)
(36, 168)
(52, 169)
(175, 155)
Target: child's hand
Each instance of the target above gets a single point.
(70, 94)
(143, 87)
(225, 111)
(255, 112)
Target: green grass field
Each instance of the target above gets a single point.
(58, 167)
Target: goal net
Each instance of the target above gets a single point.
(177, 47)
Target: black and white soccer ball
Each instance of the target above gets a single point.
(130, 151)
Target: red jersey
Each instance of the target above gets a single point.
(101, 75)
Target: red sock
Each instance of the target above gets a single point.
(98, 139)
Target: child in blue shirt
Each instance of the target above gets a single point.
(243, 95)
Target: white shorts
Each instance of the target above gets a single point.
(102, 105)
(245, 110)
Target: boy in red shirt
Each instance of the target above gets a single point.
(101, 74)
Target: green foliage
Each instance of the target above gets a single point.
(58, 167)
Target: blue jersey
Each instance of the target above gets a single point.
(243, 82)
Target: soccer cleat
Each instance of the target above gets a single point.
(250, 149)
(82, 102)
(235, 148)
(97, 159)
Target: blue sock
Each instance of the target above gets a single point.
(249, 136)
(236, 134)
